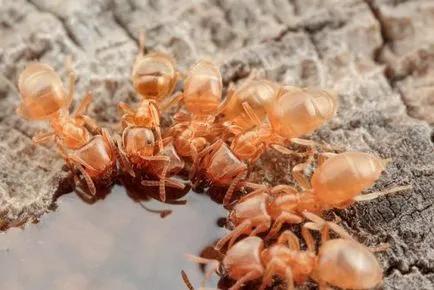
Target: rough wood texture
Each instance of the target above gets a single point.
(377, 54)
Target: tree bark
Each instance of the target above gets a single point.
(378, 55)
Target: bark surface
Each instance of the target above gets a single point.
(378, 55)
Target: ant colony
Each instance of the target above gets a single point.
(216, 137)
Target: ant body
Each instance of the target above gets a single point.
(45, 98)
(154, 78)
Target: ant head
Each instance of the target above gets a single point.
(42, 92)
(154, 76)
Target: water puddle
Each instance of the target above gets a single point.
(113, 244)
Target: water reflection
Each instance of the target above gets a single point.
(111, 244)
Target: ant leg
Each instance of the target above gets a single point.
(169, 183)
(313, 144)
(44, 138)
(174, 183)
(232, 128)
(126, 108)
(320, 223)
(91, 124)
(273, 267)
(108, 139)
(262, 227)
(167, 141)
(182, 117)
(141, 43)
(125, 163)
(242, 175)
(195, 158)
(186, 280)
(282, 149)
(308, 238)
(163, 180)
(250, 276)
(325, 233)
(299, 176)
(255, 157)
(156, 119)
(216, 145)
(200, 260)
(176, 98)
(162, 187)
(284, 217)
(65, 157)
(289, 278)
(161, 183)
(86, 176)
(229, 93)
(244, 228)
(251, 185)
(83, 106)
(251, 114)
(72, 78)
(377, 194)
(286, 189)
(289, 238)
(253, 193)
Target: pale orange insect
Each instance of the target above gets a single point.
(334, 264)
(337, 183)
(300, 111)
(202, 95)
(154, 78)
(45, 98)
(293, 113)
(141, 146)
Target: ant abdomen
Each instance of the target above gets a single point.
(203, 88)
(154, 75)
(42, 91)
(338, 256)
(297, 112)
(346, 175)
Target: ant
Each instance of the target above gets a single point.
(154, 78)
(336, 183)
(45, 98)
(202, 95)
(293, 113)
(334, 264)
